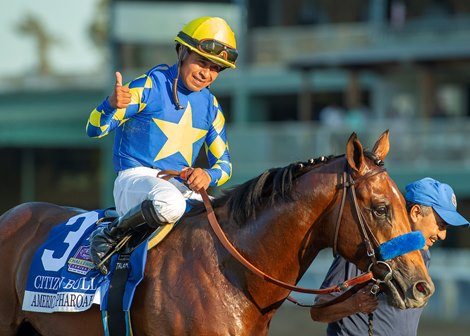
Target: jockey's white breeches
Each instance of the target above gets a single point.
(135, 185)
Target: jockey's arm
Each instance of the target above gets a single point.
(217, 151)
(124, 102)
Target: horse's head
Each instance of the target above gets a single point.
(374, 213)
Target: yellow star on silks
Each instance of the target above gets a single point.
(181, 136)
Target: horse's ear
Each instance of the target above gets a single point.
(382, 146)
(354, 153)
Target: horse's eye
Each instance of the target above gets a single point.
(380, 211)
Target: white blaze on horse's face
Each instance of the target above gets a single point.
(396, 192)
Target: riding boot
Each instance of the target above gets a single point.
(104, 239)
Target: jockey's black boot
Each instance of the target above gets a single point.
(103, 240)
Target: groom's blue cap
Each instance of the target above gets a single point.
(437, 195)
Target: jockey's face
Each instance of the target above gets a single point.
(197, 72)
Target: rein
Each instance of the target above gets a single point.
(233, 251)
(361, 279)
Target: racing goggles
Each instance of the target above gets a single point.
(211, 47)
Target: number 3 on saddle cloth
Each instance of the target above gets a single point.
(62, 277)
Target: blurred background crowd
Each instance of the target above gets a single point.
(310, 72)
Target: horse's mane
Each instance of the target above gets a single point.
(275, 185)
(266, 190)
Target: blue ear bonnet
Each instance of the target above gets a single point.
(401, 245)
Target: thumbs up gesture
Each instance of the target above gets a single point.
(121, 96)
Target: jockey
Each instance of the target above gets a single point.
(162, 119)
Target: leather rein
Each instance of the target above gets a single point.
(347, 184)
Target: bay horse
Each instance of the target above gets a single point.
(279, 221)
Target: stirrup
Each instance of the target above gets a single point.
(101, 266)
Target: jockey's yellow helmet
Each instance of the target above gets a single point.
(212, 38)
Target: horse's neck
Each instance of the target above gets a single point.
(288, 237)
(281, 243)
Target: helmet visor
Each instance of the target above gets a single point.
(212, 47)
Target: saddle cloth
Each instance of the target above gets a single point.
(62, 277)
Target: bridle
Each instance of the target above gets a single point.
(370, 241)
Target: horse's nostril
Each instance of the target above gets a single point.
(421, 287)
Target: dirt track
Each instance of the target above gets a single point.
(295, 321)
